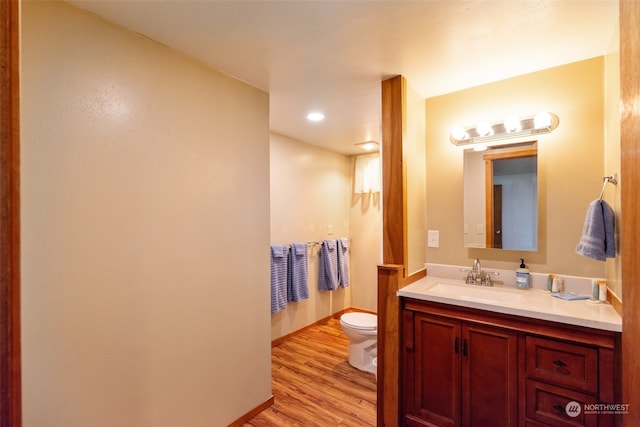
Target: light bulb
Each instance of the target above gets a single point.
(512, 124)
(542, 120)
(459, 133)
(484, 129)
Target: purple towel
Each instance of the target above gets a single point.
(598, 233)
(278, 278)
(298, 277)
(328, 267)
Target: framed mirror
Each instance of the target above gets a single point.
(501, 197)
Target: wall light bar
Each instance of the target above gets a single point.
(512, 127)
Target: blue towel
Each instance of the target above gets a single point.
(298, 277)
(328, 267)
(569, 296)
(343, 262)
(278, 278)
(598, 234)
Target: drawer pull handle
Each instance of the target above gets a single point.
(559, 408)
(559, 363)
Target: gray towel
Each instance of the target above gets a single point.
(328, 268)
(343, 262)
(598, 233)
(298, 277)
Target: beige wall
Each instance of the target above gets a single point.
(570, 168)
(414, 159)
(612, 162)
(312, 199)
(364, 223)
(145, 218)
(310, 193)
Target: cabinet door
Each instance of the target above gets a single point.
(436, 397)
(489, 377)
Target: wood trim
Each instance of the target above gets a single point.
(630, 199)
(255, 411)
(393, 177)
(488, 202)
(615, 302)
(488, 185)
(10, 387)
(511, 154)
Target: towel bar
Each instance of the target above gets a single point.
(613, 179)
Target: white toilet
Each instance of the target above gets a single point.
(362, 331)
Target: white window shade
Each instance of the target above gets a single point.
(367, 174)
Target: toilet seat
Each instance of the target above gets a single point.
(360, 321)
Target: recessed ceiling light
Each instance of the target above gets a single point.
(315, 116)
(368, 145)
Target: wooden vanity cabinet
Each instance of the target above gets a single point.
(466, 367)
(460, 373)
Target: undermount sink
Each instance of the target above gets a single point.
(494, 294)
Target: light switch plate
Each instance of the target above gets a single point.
(433, 238)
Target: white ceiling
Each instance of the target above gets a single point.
(332, 55)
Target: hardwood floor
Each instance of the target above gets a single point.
(314, 385)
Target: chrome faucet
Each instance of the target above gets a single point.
(476, 269)
(478, 277)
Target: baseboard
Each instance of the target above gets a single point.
(255, 411)
(319, 322)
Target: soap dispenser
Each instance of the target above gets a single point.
(522, 276)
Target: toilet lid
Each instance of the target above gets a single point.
(362, 321)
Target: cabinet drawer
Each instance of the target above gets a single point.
(547, 404)
(561, 363)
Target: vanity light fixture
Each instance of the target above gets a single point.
(512, 127)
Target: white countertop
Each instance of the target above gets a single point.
(533, 303)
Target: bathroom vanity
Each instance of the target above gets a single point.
(501, 356)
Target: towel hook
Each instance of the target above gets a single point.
(612, 179)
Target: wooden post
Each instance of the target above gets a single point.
(390, 280)
(10, 389)
(630, 182)
(392, 274)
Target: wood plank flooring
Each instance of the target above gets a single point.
(314, 385)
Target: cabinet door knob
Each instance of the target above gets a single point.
(559, 363)
(456, 345)
(464, 347)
